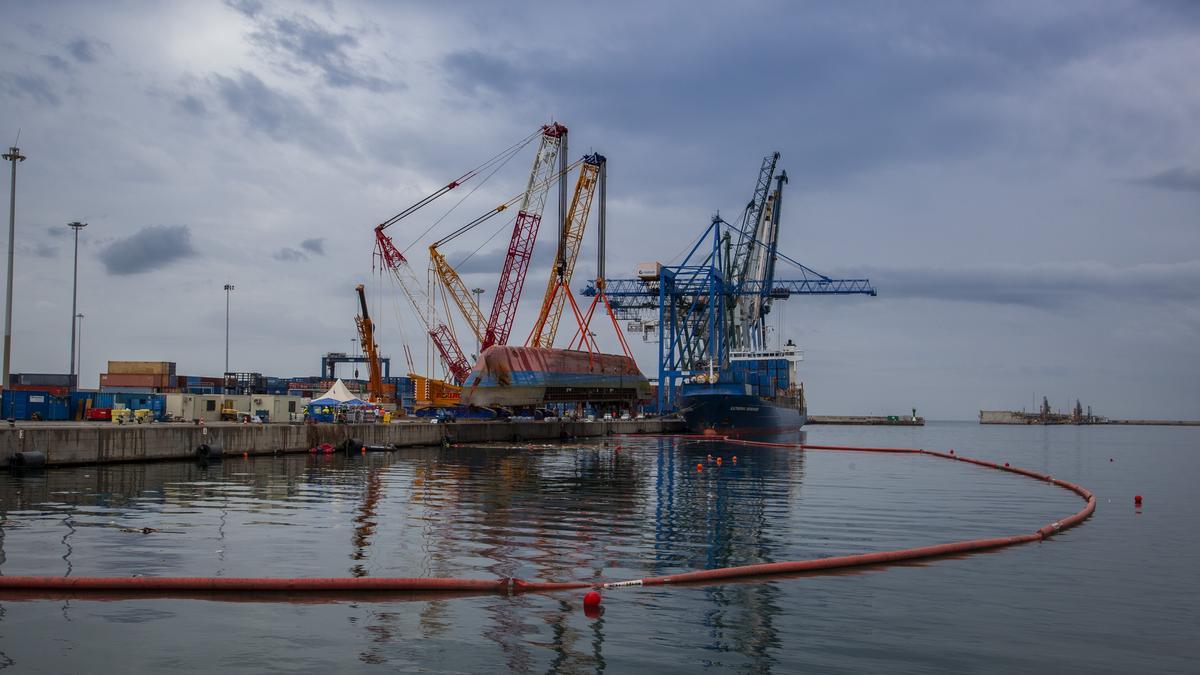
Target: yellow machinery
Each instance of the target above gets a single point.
(366, 333)
(571, 240)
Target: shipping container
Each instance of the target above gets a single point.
(47, 379)
(141, 367)
(35, 405)
(136, 380)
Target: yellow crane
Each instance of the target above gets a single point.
(366, 333)
(546, 326)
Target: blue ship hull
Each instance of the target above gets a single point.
(729, 413)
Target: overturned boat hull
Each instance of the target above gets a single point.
(525, 377)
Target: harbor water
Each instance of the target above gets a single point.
(1117, 594)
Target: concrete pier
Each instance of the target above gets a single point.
(868, 420)
(67, 443)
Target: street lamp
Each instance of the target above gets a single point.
(77, 226)
(79, 349)
(228, 290)
(478, 345)
(13, 155)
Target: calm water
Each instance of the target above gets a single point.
(1118, 594)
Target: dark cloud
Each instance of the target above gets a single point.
(289, 255)
(41, 249)
(304, 41)
(316, 245)
(250, 8)
(471, 69)
(1040, 287)
(56, 231)
(1179, 178)
(193, 106)
(151, 248)
(34, 86)
(84, 50)
(57, 62)
(278, 115)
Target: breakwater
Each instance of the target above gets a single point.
(71, 443)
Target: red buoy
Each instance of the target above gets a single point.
(735, 459)
(1137, 500)
(718, 461)
(591, 599)
(1006, 464)
(699, 467)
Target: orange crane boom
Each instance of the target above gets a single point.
(546, 326)
(366, 333)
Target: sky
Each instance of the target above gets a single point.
(1019, 180)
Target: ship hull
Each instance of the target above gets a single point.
(736, 415)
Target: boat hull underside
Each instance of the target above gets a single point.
(522, 377)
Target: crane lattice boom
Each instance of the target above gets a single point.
(546, 326)
(366, 334)
(520, 248)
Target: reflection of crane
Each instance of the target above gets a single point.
(366, 333)
(570, 241)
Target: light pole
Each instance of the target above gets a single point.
(478, 345)
(13, 155)
(79, 350)
(228, 290)
(77, 226)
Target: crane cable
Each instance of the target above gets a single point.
(421, 203)
(512, 152)
(481, 219)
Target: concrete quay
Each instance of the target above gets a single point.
(70, 443)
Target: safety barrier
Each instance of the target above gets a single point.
(27, 587)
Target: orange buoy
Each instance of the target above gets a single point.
(735, 459)
(718, 461)
(699, 467)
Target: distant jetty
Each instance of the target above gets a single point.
(869, 420)
(1078, 416)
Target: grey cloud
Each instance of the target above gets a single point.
(44, 250)
(149, 249)
(305, 41)
(1179, 178)
(471, 69)
(84, 50)
(57, 62)
(34, 86)
(289, 255)
(1040, 287)
(280, 116)
(316, 245)
(250, 8)
(192, 106)
(56, 231)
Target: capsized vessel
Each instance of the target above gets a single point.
(525, 377)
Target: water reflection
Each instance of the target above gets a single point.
(604, 511)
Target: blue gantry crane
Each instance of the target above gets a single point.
(715, 303)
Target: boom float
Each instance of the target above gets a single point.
(295, 589)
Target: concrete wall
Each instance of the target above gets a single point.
(81, 443)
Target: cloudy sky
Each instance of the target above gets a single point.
(1020, 180)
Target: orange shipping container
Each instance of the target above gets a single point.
(141, 368)
(132, 380)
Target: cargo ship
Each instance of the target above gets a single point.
(756, 393)
(530, 377)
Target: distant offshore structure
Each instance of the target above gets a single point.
(1078, 416)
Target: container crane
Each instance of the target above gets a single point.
(366, 333)
(716, 301)
(545, 328)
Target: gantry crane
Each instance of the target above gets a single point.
(591, 172)
(366, 333)
(716, 301)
